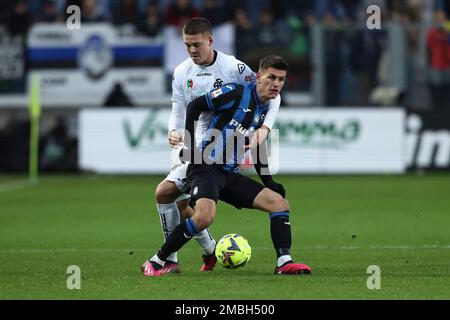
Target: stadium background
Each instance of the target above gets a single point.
(364, 147)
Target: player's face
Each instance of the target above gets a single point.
(270, 83)
(199, 47)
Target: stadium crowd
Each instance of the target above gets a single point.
(356, 62)
(150, 16)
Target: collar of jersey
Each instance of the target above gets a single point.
(214, 60)
(258, 100)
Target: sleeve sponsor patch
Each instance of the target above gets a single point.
(216, 93)
(250, 78)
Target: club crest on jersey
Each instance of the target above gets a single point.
(216, 93)
(189, 84)
(218, 83)
(256, 120)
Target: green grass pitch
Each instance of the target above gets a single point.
(341, 225)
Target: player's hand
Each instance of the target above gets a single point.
(259, 137)
(175, 138)
(276, 187)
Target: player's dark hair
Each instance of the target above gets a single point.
(197, 25)
(273, 61)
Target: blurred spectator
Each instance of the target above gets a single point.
(252, 7)
(245, 39)
(217, 14)
(301, 10)
(19, 21)
(126, 11)
(438, 49)
(179, 12)
(151, 23)
(90, 12)
(269, 33)
(304, 10)
(333, 12)
(404, 11)
(49, 12)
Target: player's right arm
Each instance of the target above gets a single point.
(177, 116)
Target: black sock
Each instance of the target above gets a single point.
(280, 230)
(178, 238)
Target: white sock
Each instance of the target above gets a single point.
(157, 260)
(170, 218)
(206, 241)
(283, 259)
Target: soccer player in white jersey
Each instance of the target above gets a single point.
(205, 69)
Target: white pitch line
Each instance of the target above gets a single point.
(99, 250)
(17, 185)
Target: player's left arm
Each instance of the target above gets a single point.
(261, 164)
(259, 140)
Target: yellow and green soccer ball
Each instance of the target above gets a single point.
(233, 251)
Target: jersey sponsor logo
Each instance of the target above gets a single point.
(216, 93)
(204, 74)
(218, 83)
(239, 128)
(241, 67)
(189, 84)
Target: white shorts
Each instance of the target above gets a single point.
(178, 176)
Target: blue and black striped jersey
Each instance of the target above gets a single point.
(237, 114)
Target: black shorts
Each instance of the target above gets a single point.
(208, 181)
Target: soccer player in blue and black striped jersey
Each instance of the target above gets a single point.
(238, 111)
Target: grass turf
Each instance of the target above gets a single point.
(341, 224)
